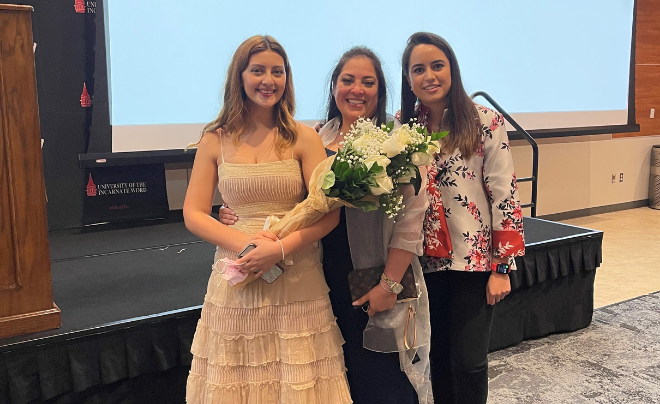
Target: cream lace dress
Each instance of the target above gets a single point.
(267, 343)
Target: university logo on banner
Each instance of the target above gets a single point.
(118, 193)
(85, 99)
(115, 188)
(91, 187)
(83, 7)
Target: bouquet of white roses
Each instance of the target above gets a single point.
(407, 147)
(374, 161)
(365, 173)
(358, 174)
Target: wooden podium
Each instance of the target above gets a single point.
(26, 294)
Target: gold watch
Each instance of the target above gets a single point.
(395, 287)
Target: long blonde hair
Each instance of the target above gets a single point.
(234, 116)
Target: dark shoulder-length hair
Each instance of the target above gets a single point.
(465, 129)
(356, 52)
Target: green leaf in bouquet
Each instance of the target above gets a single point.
(416, 181)
(342, 169)
(366, 206)
(328, 180)
(359, 173)
(359, 193)
(375, 169)
(346, 195)
(389, 126)
(423, 147)
(370, 182)
(439, 135)
(400, 160)
(334, 193)
(349, 180)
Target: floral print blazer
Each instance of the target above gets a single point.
(479, 198)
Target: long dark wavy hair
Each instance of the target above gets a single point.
(463, 119)
(235, 115)
(380, 114)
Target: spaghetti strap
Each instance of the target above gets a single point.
(222, 148)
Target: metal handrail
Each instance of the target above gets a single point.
(535, 149)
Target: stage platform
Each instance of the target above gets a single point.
(131, 296)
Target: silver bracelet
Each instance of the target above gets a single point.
(387, 289)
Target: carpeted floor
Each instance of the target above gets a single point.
(615, 360)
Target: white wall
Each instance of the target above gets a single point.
(574, 173)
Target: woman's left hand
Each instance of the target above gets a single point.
(262, 258)
(499, 285)
(379, 300)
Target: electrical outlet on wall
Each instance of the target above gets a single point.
(620, 177)
(613, 178)
(652, 113)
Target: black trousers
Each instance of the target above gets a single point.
(460, 332)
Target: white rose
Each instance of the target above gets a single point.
(392, 147)
(359, 142)
(380, 160)
(421, 159)
(385, 185)
(434, 147)
(403, 135)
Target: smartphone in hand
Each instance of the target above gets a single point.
(246, 250)
(268, 276)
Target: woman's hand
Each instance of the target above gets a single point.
(263, 258)
(226, 215)
(379, 300)
(499, 285)
(264, 235)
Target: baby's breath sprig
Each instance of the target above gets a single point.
(392, 204)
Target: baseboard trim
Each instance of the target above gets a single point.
(555, 217)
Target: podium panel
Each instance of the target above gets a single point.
(26, 296)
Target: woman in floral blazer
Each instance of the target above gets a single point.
(474, 221)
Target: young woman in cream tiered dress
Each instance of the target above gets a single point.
(267, 343)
